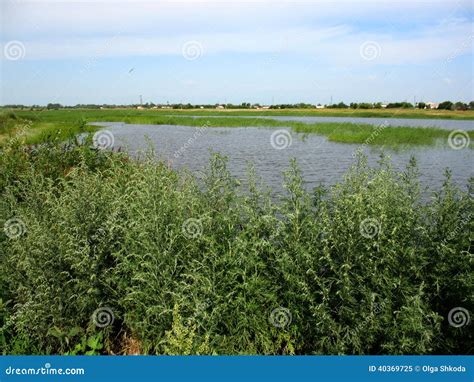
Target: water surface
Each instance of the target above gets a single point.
(321, 161)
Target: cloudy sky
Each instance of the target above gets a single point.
(234, 51)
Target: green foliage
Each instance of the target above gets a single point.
(88, 345)
(181, 339)
(191, 266)
(446, 105)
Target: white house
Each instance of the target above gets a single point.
(431, 105)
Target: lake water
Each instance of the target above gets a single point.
(321, 161)
(447, 124)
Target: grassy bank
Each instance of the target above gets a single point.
(102, 254)
(373, 113)
(34, 128)
(61, 124)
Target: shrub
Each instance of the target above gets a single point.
(187, 266)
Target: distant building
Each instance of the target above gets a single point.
(219, 107)
(431, 105)
(140, 107)
(319, 106)
(383, 105)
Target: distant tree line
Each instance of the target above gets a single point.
(446, 105)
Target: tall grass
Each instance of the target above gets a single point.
(34, 128)
(191, 266)
(62, 124)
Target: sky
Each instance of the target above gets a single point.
(258, 51)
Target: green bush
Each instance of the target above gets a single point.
(188, 266)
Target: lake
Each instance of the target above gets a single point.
(320, 160)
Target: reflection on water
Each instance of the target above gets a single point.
(321, 161)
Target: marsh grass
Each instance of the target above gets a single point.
(102, 229)
(33, 128)
(62, 124)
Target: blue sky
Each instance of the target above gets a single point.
(235, 51)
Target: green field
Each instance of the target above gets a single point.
(47, 125)
(375, 113)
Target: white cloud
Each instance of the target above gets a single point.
(338, 44)
(329, 33)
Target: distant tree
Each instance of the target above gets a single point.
(398, 105)
(353, 105)
(340, 105)
(53, 106)
(421, 105)
(378, 105)
(446, 105)
(460, 106)
(471, 105)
